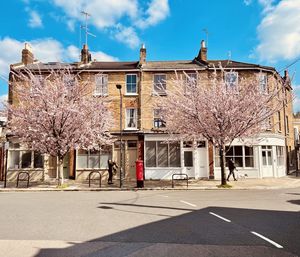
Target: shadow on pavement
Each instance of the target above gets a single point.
(195, 233)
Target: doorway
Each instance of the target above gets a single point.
(267, 161)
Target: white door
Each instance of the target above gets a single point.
(203, 169)
(267, 161)
(188, 158)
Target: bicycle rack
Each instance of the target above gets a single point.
(180, 174)
(18, 177)
(100, 177)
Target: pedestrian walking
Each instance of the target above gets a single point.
(231, 167)
(112, 167)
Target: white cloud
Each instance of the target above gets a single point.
(157, 11)
(296, 103)
(247, 2)
(126, 35)
(45, 50)
(35, 20)
(279, 31)
(128, 14)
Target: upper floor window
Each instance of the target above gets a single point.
(263, 83)
(231, 79)
(160, 84)
(279, 121)
(131, 84)
(131, 118)
(191, 78)
(158, 122)
(101, 84)
(287, 124)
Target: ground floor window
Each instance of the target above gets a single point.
(24, 159)
(93, 159)
(241, 155)
(162, 154)
(280, 155)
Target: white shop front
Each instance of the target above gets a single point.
(263, 157)
(164, 158)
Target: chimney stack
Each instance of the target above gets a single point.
(142, 54)
(202, 56)
(85, 55)
(286, 78)
(27, 55)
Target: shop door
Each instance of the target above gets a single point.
(189, 163)
(267, 161)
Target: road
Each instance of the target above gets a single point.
(150, 223)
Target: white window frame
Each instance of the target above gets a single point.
(21, 150)
(127, 119)
(103, 85)
(136, 86)
(160, 92)
(229, 84)
(99, 154)
(261, 79)
(158, 118)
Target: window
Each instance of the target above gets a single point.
(263, 83)
(158, 122)
(241, 155)
(23, 159)
(131, 118)
(287, 124)
(279, 121)
(93, 159)
(231, 79)
(162, 154)
(131, 144)
(101, 84)
(280, 155)
(160, 84)
(131, 82)
(267, 124)
(191, 78)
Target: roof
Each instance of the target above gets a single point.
(173, 65)
(148, 65)
(230, 64)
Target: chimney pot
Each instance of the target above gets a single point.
(85, 55)
(202, 56)
(143, 54)
(27, 55)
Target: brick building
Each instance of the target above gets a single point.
(143, 130)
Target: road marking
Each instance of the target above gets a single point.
(166, 196)
(188, 203)
(220, 217)
(267, 239)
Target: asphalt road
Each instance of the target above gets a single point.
(150, 223)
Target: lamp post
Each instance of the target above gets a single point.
(119, 87)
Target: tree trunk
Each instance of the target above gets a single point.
(61, 169)
(222, 164)
(57, 171)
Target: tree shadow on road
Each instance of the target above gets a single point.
(195, 233)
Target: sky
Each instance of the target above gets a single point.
(265, 32)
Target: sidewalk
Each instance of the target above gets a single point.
(290, 181)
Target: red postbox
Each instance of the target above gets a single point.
(139, 164)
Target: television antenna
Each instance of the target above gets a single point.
(206, 33)
(85, 28)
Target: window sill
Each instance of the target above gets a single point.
(128, 129)
(131, 94)
(25, 169)
(98, 95)
(158, 94)
(91, 169)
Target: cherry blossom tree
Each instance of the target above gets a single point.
(218, 111)
(56, 112)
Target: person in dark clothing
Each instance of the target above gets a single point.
(231, 168)
(112, 166)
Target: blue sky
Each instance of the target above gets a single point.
(256, 31)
